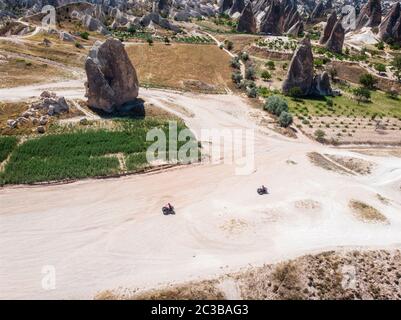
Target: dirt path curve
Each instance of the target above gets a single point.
(105, 234)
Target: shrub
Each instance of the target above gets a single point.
(244, 56)
(235, 63)
(380, 67)
(266, 75)
(252, 92)
(149, 40)
(84, 35)
(250, 73)
(368, 81)
(361, 94)
(229, 45)
(295, 92)
(319, 135)
(270, 64)
(276, 105)
(285, 119)
(236, 77)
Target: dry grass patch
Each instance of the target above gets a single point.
(322, 162)
(359, 166)
(203, 68)
(21, 72)
(203, 290)
(366, 212)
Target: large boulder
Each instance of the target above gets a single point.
(390, 28)
(247, 21)
(328, 28)
(112, 79)
(336, 40)
(300, 72)
(370, 15)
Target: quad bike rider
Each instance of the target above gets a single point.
(168, 209)
(262, 190)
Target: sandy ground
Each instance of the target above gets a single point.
(105, 234)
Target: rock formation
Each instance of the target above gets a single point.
(331, 22)
(336, 40)
(225, 6)
(112, 79)
(370, 15)
(318, 12)
(301, 73)
(272, 20)
(390, 28)
(321, 85)
(247, 21)
(237, 7)
(297, 29)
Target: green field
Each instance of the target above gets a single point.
(7, 144)
(82, 153)
(345, 105)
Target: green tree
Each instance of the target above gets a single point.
(149, 40)
(362, 94)
(276, 105)
(266, 76)
(250, 73)
(319, 135)
(380, 67)
(285, 119)
(295, 92)
(270, 64)
(396, 65)
(368, 81)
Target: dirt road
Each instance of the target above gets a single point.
(105, 234)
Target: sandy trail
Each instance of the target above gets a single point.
(105, 234)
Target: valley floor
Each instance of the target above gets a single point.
(108, 234)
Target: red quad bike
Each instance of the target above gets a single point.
(168, 209)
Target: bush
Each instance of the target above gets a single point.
(276, 105)
(244, 56)
(235, 63)
(319, 135)
(361, 94)
(368, 81)
(229, 45)
(252, 92)
(250, 73)
(285, 119)
(84, 35)
(270, 64)
(236, 77)
(295, 92)
(149, 40)
(380, 67)
(266, 75)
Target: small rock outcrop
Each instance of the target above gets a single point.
(370, 15)
(336, 40)
(390, 28)
(301, 73)
(297, 29)
(225, 6)
(331, 22)
(247, 21)
(112, 79)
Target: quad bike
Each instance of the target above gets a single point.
(168, 209)
(262, 190)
